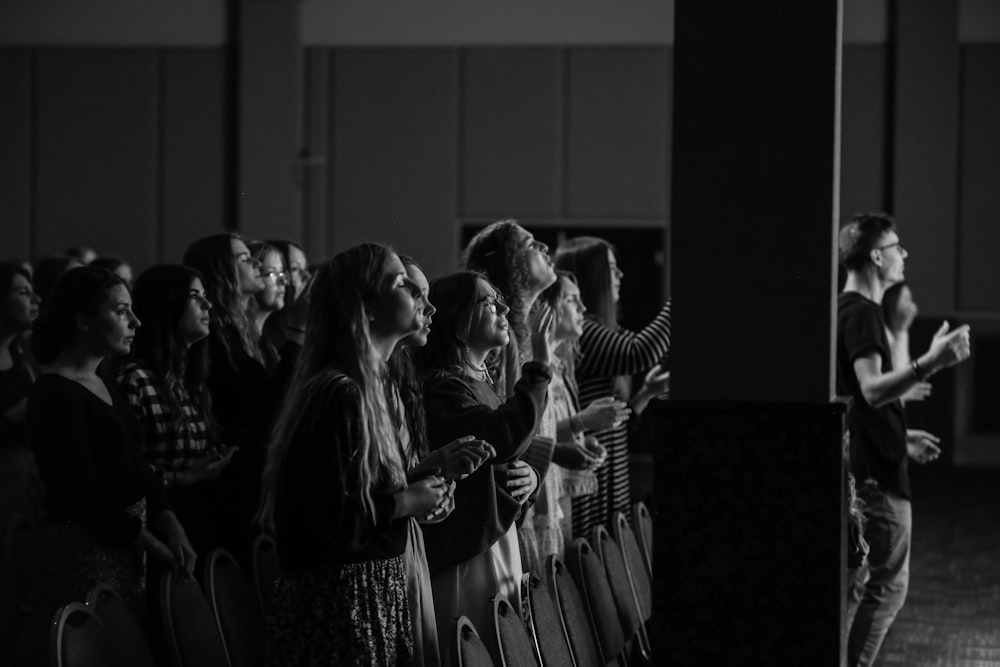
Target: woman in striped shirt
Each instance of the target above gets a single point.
(609, 355)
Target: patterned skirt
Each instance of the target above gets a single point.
(355, 614)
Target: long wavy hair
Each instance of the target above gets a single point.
(496, 252)
(160, 298)
(338, 343)
(212, 257)
(79, 290)
(586, 257)
(402, 372)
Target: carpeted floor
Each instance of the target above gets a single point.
(952, 613)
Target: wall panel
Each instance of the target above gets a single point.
(97, 124)
(393, 151)
(15, 153)
(979, 193)
(863, 139)
(195, 185)
(511, 133)
(618, 148)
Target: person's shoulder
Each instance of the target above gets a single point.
(135, 372)
(854, 302)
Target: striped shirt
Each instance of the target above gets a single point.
(172, 443)
(605, 355)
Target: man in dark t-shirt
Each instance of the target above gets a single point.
(881, 444)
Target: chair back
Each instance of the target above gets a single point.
(544, 623)
(642, 583)
(516, 647)
(576, 620)
(266, 568)
(77, 638)
(189, 627)
(610, 554)
(128, 639)
(643, 523)
(588, 571)
(470, 651)
(236, 610)
(18, 530)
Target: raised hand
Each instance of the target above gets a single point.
(950, 348)
(604, 413)
(657, 381)
(542, 323)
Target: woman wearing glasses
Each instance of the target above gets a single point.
(475, 553)
(165, 381)
(243, 397)
(288, 323)
(277, 353)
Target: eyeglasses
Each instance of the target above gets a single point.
(494, 302)
(897, 244)
(276, 277)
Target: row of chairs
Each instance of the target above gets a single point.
(217, 624)
(593, 611)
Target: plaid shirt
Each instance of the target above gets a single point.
(171, 444)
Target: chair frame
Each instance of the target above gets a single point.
(641, 518)
(621, 526)
(498, 602)
(208, 586)
(527, 586)
(93, 602)
(554, 563)
(59, 621)
(462, 625)
(601, 537)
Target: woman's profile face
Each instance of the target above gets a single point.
(248, 278)
(490, 328)
(616, 276)
(20, 305)
(541, 271)
(427, 310)
(569, 312)
(272, 270)
(194, 322)
(395, 312)
(298, 271)
(111, 329)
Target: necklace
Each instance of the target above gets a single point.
(482, 374)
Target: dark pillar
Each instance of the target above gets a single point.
(267, 112)
(749, 529)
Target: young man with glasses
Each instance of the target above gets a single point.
(881, 445)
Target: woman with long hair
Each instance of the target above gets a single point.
(165, 381)
(20, 489)
(454, 461)
(520, 267)
(104, 509)
(475, 553)
(244, 399)
(335, 492)
(609, 355)
(278, 353)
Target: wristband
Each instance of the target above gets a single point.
(917, 370)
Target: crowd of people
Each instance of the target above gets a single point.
(413, 446)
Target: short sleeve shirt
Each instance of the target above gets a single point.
(878, 435)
